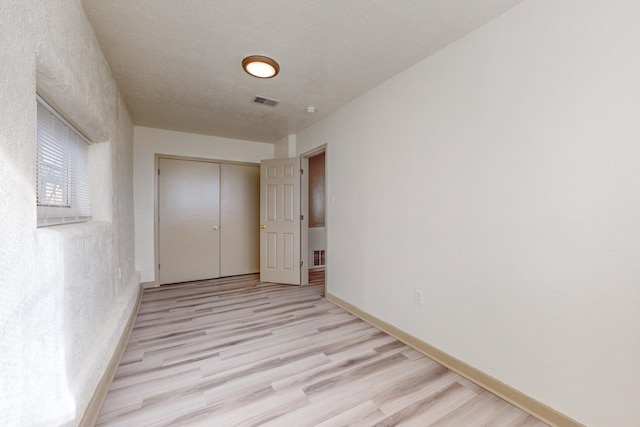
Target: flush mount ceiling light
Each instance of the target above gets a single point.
(262, 67)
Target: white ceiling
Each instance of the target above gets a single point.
(178, 62)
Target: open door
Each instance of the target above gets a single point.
(280, 221)
(313, 209)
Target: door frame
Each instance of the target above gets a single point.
(304, 224)
(156, 210)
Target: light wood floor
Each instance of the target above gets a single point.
(238, 352)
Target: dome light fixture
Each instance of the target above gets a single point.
(261, 67)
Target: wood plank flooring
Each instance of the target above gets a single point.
(239, 352)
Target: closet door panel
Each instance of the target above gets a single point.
(188, 220)
(239, 219)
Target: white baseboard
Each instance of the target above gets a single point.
(93, 409)
(497, 387)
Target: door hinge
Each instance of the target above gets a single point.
(158, 266)
(301, 217)
(301, 263)
(301, 171)
(158, 171)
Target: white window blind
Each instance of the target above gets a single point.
(62, 170)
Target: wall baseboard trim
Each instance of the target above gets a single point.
(528, 404)
(92, 412)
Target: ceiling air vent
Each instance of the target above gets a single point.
(266, 101)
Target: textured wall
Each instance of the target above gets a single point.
(502, 177)
(63, 303)
(149, 142)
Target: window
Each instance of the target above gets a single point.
(62, 170)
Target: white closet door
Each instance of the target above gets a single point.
(189, 220)
(240, 219)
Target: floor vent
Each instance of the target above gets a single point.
(318, 258)
(266, 101)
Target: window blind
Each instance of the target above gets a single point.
(62, 170)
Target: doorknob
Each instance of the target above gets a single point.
(215, 228)
(263, 226)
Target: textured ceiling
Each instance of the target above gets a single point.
(178, 63)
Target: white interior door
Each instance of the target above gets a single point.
(280, 221)
(188, 220)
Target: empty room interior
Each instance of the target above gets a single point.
(363, 212)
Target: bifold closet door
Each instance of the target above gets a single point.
(188, 220)
(240, 219)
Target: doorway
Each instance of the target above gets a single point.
(314, 225)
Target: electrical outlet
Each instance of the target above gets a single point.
(418, 297)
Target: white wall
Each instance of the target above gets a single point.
(502, 177)
(63, 306)
(148, 143)
(285, 148)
